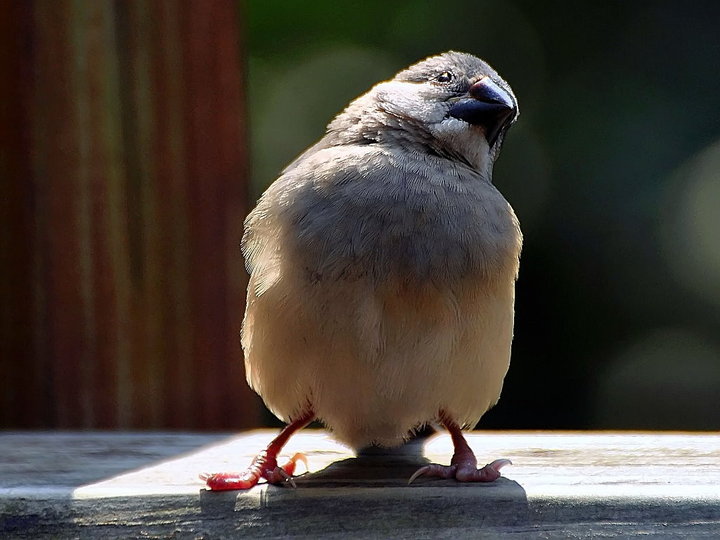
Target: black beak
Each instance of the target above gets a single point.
(488, 106)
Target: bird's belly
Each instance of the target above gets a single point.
(378, 311)
(373, 361)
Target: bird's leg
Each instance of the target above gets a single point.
(264, 465)
(463, 466)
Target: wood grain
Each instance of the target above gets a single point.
(561, 485)
(124, 187)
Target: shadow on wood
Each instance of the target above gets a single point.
(369, 495)
(111, 485)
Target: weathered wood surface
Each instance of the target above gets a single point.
(120, 485)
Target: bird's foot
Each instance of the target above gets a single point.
(463, 466)
(463, 471)
(263, 466)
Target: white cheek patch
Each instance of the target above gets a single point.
(451, 127)
(423, 104)
(408, 100)
(466, 140)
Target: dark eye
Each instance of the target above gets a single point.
(445, 77)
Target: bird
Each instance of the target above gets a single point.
(382, 266)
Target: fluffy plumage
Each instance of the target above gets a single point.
(383, 260)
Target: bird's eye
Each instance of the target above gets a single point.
(445, 77)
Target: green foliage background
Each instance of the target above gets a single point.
(613, 169)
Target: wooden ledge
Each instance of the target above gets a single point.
(114, 485)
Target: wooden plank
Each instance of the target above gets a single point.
(561, 484)
(23, 399)
(217, 190)
(167, 102)
(121, 277)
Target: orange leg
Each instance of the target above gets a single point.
(463, 466)
(264, 465)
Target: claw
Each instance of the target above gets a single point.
(416, 474)
(499, 464)
(439, 471)
(289, 467)
(464, 472)
(264, 465)
(463, 466)
(489, 473)
(287, 477)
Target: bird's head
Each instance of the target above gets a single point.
(454, 104)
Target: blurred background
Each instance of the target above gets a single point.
(135, 136)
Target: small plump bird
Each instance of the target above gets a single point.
(382, 270)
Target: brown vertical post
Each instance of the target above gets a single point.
(24, 397)
(124, 185)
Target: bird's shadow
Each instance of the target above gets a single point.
(376, 481)
(372, 467)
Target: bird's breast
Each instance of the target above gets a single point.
(424, 222)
